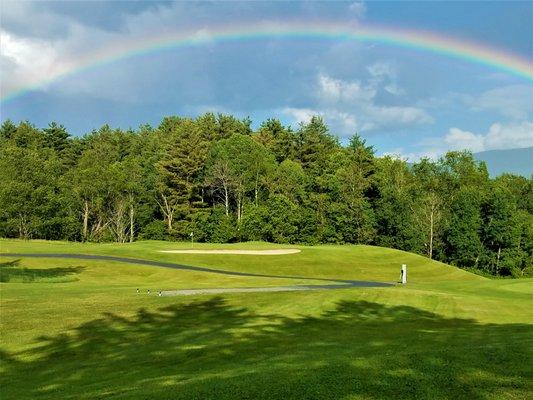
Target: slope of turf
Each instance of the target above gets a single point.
(342, 262)
(77, 329)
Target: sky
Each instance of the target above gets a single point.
(404, 101)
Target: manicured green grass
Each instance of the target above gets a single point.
(77, 329)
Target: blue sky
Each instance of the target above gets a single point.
(403, 101)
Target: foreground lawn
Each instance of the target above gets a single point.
(77, 329)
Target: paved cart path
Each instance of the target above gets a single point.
(338, 283)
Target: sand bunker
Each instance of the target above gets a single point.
(273, 252)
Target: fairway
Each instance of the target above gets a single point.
(344, 284)
(78, 329)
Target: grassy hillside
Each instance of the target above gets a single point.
(343, 262)
(77, 329)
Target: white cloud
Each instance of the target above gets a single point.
(330, 88)
(35, 60)
(337, 90)
(346, 120)
(358, 9)
(350, 106)
(458, 139)
(499, 136)
(300, 115)
(383, 72)
(304, 115)
(386, 115)
(382, 69)
(402, 154)
(515, 101)
(394, 89)
(29, 61)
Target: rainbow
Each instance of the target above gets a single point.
(417, 40)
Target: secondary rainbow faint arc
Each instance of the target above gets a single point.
(418, 40)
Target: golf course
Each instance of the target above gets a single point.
(258, 200)
(75, 328)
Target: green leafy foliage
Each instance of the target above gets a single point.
(216, 178)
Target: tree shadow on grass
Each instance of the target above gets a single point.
(210, 349)
(10, 271)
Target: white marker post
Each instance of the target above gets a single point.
(404, 274)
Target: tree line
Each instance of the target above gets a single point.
(217, 179)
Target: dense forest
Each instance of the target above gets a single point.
(217, 179)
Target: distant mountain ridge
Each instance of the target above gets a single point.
(513, 161)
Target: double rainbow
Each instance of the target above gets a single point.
(418, 40)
